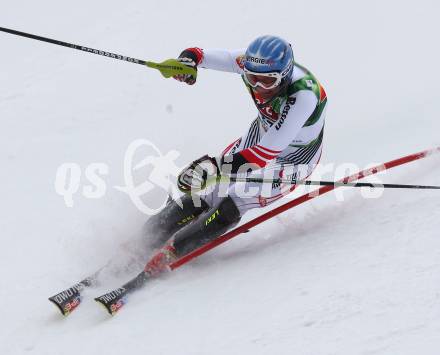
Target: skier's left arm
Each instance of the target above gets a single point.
(296, 112)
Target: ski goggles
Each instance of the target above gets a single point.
(265, 80)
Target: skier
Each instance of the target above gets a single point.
(288, 130)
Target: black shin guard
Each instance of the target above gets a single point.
(161, 227)
(208, 226)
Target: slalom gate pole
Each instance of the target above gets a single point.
(298, 201)
(168, 68)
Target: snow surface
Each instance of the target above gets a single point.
(360, 276)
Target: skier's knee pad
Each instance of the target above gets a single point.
(226, 212)
(208, 226)
(160, 227)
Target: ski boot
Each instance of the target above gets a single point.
(161, 261)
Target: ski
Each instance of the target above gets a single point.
(114, 300)
(68, 300)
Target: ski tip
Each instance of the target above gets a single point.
(111, 307)
(67, 306)
(59, 307)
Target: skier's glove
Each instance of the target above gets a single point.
(200, 174)
(190, 57)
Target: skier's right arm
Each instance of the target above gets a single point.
(216, 59)
(223, 60)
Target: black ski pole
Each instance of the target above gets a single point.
(327, 183)
(74, 46)
(168, 68)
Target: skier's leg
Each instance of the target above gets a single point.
(161, 227)
(206, 227)
(211, 224)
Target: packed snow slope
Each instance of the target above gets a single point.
(358, 276)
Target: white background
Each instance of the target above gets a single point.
(353, 277)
